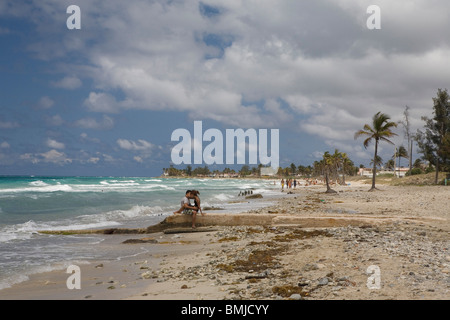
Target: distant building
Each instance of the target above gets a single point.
(367, 172)
(401, 172)
(229, 175)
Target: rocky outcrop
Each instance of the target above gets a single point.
(247, 219)
(254, 196)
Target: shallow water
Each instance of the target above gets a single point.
(30, 204)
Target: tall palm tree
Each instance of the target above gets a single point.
(381, 129)
(400, 153)
(327, 164)
(346, 165)
(336, 158)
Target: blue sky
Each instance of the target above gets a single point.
(104, 100)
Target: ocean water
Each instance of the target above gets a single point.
(30, 204)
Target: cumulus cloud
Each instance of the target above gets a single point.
(91, 123)
(142, 149)
(54, 121)
(54, 144)
(94, 160)
(69, 82)
(309, 64)
(4, 145)
(45, 103)
(273, 50)
(51, 156)
(55, 157)
(102, 102)
(140, 145)
(138, 159)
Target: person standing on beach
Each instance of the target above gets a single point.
(282, 184)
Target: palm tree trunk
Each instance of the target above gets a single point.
(329, 190)
(410, 156)
(327, 181)
(437, 171)
(374, 170)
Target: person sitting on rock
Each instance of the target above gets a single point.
(187, 208)
(195, 194)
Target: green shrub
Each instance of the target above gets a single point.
(414, 171)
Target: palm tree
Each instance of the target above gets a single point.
(336, 158)
(293, 169)
(379, 162)
(328, 163)
(390, 164)
(346, 165)
(400, 153)
(379, 130)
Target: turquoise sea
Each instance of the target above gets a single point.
(29, 204)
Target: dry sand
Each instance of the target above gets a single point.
(406, 239)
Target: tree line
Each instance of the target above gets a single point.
(342, 166)
(433, 140)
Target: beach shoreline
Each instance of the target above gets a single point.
(283, 261)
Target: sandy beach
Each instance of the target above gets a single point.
(403, 232)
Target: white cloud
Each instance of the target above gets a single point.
(91, 123)
(94, 160)
(45, 103)
(55, 144)
(69, 82)
(317, 154)
(138, 159)
(101, 102)
(55, 121)
(52, 156)
(56, 157)
(140, 145)
(109, 158)
(4, 145)
(29, 157)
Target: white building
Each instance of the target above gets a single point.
(268, 171)
(398, 172)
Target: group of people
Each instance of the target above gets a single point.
(244, 193)
(188, 208)
(293, 183)
(289, 183)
